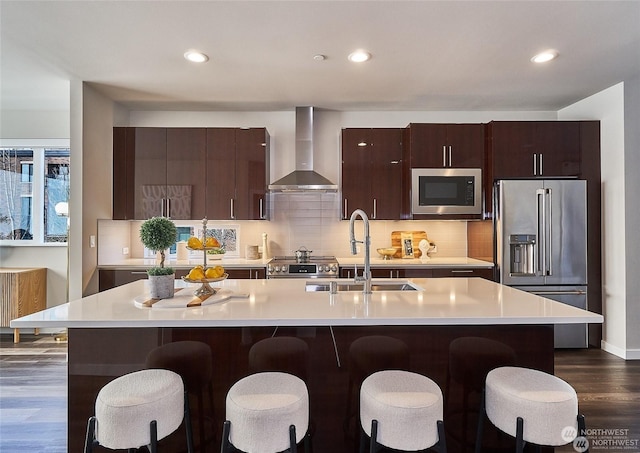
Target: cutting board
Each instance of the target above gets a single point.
(184, 298)
(416, 237)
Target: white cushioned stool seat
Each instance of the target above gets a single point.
(126, 406)
(546, 403)
(261, 407)
(407, 407)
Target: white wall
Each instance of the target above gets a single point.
(97, 175)
(49, 124)
(632, 218)
(608, 107)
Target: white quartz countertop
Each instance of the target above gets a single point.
(284, 302)
(140, 263)
(432, 262)
(435, 262)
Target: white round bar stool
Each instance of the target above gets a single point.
(138, 409)
(532, 406)
(401, 410)
(266, 413)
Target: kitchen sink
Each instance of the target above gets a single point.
(376, 286)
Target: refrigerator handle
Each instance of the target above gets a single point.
(541, 231)
(549, 237)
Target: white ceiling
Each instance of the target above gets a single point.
(427, 55)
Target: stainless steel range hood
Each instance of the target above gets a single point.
(303, 178)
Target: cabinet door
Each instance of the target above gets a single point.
(221, 173)
(251, 177)
(123, 173)
(356, 174)
(447, 145)
(150, 171)
(247, 274)
(428, 144)
(558, 144)
(464, 272)
(465, 145)
(186, 173)
(534, 148)
(386, 173)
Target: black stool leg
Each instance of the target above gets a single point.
(91, 434)
(441, 446)
(519, 435)
(153, 427)
(582, 431)
(187, 422)
(225, 444)
(292, 439)
(374, 446)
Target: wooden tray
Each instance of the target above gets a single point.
(416, 237)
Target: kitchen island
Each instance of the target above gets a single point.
(110, 334)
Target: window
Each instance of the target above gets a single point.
(34, 192)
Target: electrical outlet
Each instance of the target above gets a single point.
(125, 250)
(92, 241)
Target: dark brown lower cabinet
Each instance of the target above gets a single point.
(408, 272)
(110, 278)
(96, 356)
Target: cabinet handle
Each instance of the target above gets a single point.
(233, 214)
(375, 208)
(261, 209)
(344, 216)
(444, 155)
(535, 162)
(465, 271)
(168, 208)
(138, 272)
(450, 163)
(541, 172)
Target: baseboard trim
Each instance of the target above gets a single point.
(627, 354)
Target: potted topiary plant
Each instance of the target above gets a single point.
(157, 234)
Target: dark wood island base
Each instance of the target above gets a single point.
(97, 356)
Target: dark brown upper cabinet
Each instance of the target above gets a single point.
(237, 173)
(446, 145)
(534, 149)
(190, 173)
(158, 172)
(372, 172)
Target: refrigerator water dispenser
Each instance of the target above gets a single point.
(522, 260)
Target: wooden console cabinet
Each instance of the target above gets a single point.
(24, 291)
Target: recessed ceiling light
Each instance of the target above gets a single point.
(545, 56)
(196, 56)
(359, 56)
(319, 57)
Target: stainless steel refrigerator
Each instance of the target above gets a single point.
(541, 244)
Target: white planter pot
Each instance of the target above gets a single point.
(161, 286)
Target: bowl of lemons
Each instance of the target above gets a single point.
(205, 276)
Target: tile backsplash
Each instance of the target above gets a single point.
(307, 219)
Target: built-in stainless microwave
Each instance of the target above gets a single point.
(446, 191)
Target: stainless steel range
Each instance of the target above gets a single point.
(309, 267)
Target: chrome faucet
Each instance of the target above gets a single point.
(366, 276)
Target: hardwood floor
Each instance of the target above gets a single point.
(33, 396)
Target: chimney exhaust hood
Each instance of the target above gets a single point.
(303, 178)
